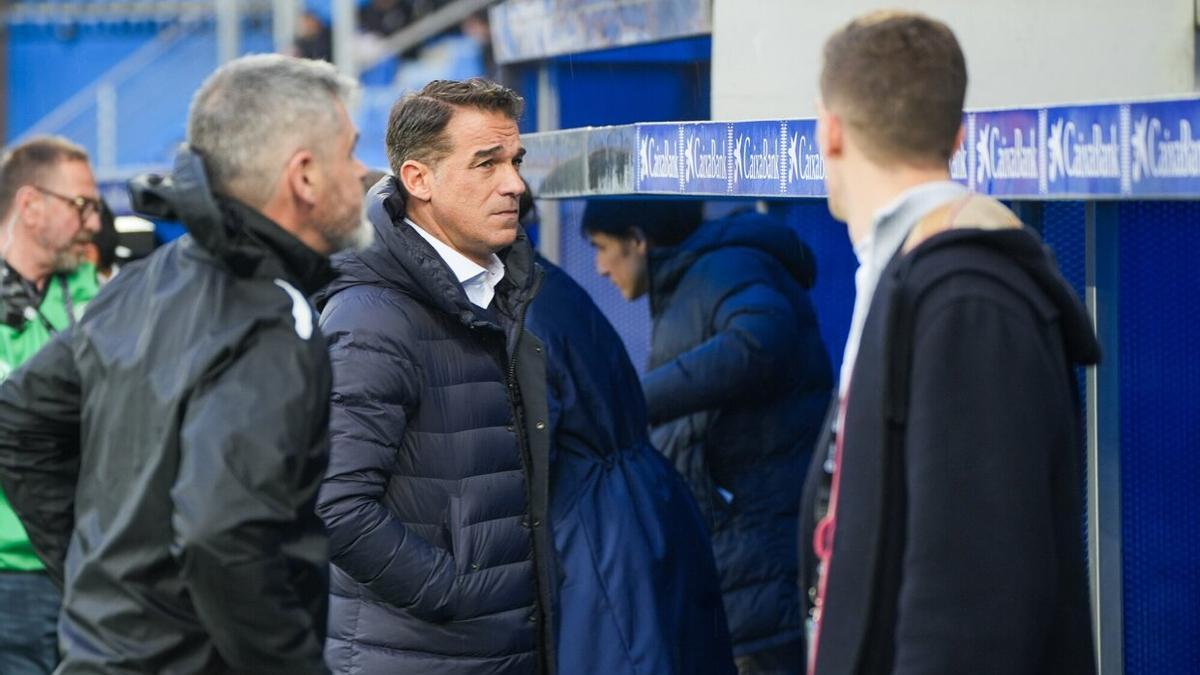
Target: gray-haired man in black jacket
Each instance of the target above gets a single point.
(164, 453)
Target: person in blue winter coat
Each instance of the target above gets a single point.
(639, 591)
(737, 386)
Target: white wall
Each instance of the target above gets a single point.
(767, 53)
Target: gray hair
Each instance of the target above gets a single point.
(256, 111)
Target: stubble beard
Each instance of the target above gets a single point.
(69, 259)
(355, 233)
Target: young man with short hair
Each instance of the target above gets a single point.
(942, 513)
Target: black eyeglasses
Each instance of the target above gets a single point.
(84, 206)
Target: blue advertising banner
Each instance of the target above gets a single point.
(758, 163)
(1097, 151)
(1164, 157)
(1083, 150)
(707, 163)
(1007, 157)
(658, 158)
(805, 170)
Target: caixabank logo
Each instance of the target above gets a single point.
(1075, 153)
(658, 158)
(1006, 152)
(706, 158)
(756, 158)
(1164, 152)
(805, 168)
(1083, 150)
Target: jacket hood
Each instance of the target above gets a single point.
(401, 259)
(228, 229)
(747, 229)
(1023, 247)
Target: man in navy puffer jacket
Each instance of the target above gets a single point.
(436, 495)
(737, 387)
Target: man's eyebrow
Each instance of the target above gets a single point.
(489, 152)
(496, 150)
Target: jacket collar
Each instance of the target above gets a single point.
(256, 236)
(401, 258)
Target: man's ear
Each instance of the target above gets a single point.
(416, 177)
(958, 138)
(300, 176)
(638, 239)
(28, 206)
(831, 133)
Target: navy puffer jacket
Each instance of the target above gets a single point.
(738, 384)
(436, 494)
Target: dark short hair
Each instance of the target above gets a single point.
(665, 222)
(30, 162)
(417, 124)
(899, 80)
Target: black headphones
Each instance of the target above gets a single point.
(20, 302)
(16, 306)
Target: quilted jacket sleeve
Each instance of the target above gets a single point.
(374, 391)
(755, 330)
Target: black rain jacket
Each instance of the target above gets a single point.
(165, 454)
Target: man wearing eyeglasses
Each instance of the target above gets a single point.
(49, 211)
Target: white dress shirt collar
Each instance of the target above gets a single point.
(479, 283)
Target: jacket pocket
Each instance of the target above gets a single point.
(461, 548)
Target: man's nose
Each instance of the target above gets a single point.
(512, 183)
(92, 222)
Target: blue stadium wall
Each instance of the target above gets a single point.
(1159, 358)
(49, 64)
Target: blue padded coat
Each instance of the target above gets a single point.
(639, 593)
(737, 388)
